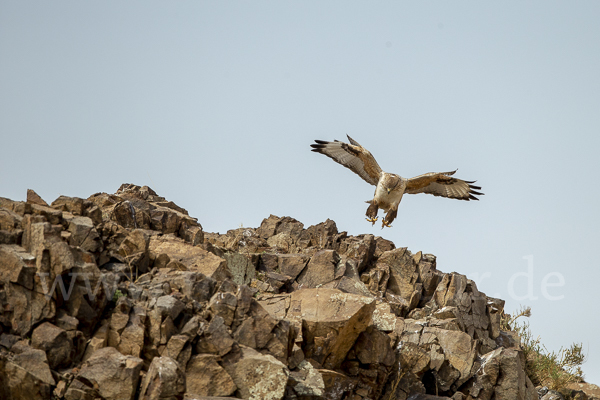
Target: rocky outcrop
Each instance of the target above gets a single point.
(124, 296)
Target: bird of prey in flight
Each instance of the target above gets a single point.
(391, 187)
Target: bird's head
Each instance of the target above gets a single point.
(391, 183)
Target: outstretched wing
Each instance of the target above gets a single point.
(443, 184)
(352, 156)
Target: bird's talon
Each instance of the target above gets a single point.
(373, 220)
(384, 224)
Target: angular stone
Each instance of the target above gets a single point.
(361, 248)
(178, 349)
(115, 375)
(275, 304)
(383, 318)
(98, 341)
(292, 264)
(36, 363)
(374, 347)
(34, 198)
(224, 304)
(275, 225)
(331, 322)
(241, 267)
(459, 349)
(322, 235)
(17, 266)
(216, 339)
(164, 380)
(337, 385)
(513, 382)
(17, 383)
(404, 275)
(84, 234)
(134, 250)
(169, 306)
(193, 258)
(9, 220)
(319, 270)
(307, 381)
(74, 205)
(55, 342)
(255, 330)
(257, 376)
(205, 377)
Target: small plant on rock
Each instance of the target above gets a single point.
(546, 368)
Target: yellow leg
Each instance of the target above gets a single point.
(372, 220)
(384, 223)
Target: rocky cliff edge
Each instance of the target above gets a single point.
(124, 296)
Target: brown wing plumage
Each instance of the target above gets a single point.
(443, 184)
(352, 156)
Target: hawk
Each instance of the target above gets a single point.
(390, 187)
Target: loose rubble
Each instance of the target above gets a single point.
(124, 296)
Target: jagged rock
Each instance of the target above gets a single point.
(590, 390)
(11, 230)
(179, 349)
(216, 339)
(307, 381)
(274, 225)
(374, 347)
(83, 233)
(35, 362)
(205, 377)
(184, 256)
(253, 324)
(360, 247)
(131, 340)
(164, 380)
(22, 295)
(331, 322)
(257, 376)
(292, 264)
(337, 385)
(224, 304)
(73, 205)
(55, 342)
(320, 269)
(169, 306)
(134, 250)
(403, 275)
(34, 198)
(361, 319)
(512, 382)
(98, 341)
(321, 236)
(18, 383)
(383, 318)
(241, 268)
(110, 373)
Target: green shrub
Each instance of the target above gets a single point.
(546, 368)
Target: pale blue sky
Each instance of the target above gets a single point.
(214, 105)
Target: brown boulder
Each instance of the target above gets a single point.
(331, 322)
(114, 375)
(55, 342)
(320, 269)
(184, 256)
(257, 376)
(164, 380)
(205, 377)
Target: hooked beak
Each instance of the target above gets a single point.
(388, 190)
